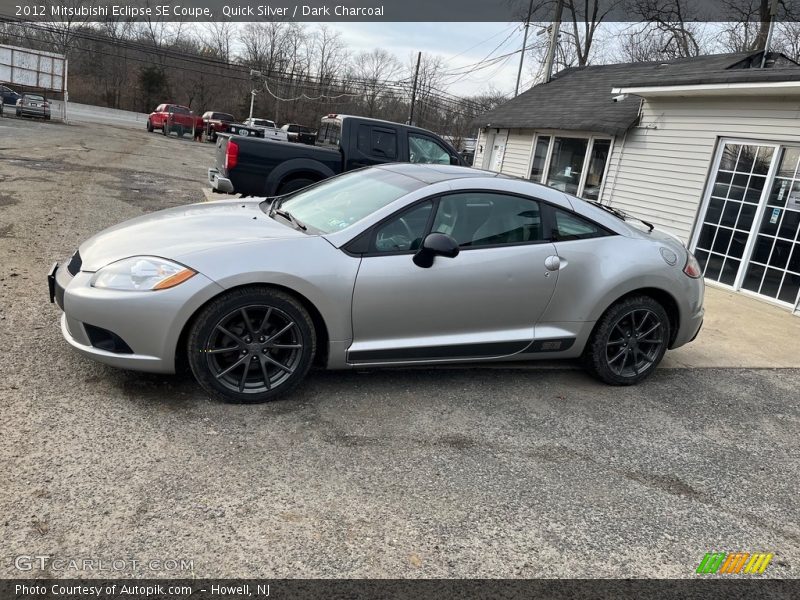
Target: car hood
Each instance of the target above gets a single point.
(177, 233)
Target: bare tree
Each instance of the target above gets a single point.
(429, 81)
(371, 72)
(749, 22)
(787, 39)
(216, 39)
(585, 16)
(674, 24)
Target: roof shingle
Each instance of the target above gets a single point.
(580, 99)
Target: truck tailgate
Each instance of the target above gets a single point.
(222, 146)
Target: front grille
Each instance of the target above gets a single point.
(75, 263)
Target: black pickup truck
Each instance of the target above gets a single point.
(256, 167)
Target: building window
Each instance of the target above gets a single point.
(566, 164)
(598, 157)
(749, 236)
(539, 157)
(575, 165)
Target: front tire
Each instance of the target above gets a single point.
(628, 342)
(251, 345)
(149, 126)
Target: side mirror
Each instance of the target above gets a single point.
(435, 244)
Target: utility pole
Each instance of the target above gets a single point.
(414, 91)
(524, 43)
(252, 99)
(773, 10)
(551, 49)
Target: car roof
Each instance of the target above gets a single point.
(427, 173)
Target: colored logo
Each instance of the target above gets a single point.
(734, 562)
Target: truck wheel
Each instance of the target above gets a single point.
(294, 185)
(149, 126)
(180, 131)
(165, 129)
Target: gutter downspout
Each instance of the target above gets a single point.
(621, 153)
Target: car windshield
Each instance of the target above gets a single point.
(223, 117)
(344, 200)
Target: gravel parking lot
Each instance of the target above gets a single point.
(456, 472)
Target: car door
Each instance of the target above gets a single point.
(482, 303)
(426, 149)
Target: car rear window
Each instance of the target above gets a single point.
(35, 97)
(223, 117)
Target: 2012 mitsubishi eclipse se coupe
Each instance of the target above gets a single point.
(393, 265)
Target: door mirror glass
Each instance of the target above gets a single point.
(435, 244)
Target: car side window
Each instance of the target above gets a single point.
(569, 226)
(404, 232)
(476, 219)
(422, 149)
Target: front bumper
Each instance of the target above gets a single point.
(219, 183)
(149, 323)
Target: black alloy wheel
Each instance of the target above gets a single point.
(629, 341)
(251, 345)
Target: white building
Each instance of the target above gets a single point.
(707, 148)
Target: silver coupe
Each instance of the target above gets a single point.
(391, 265)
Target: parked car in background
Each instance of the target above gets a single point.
(258, 168)
(299, 133)
(271, 132)
(33, 105)
(173, 118)
(216, 122)
(395, 265)
(9, 96)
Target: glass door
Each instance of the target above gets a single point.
(774, 267)
(731, 210)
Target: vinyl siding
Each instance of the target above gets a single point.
(659, 174)
(518, 153)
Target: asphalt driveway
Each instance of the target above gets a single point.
(462, 472)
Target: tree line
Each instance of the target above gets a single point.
(298, 72)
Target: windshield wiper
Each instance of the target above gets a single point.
(289, 217)
(622, 215)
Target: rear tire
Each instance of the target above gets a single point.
(294, 184)
(254, 360)
(179, 130)
(628, 342)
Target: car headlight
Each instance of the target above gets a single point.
(141, 274)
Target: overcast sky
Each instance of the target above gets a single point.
(460, 44)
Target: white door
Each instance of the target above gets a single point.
(496, 147)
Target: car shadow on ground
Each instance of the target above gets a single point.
(181, 391)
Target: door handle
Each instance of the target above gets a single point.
(552, 263)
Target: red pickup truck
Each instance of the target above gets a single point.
(174, 118)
